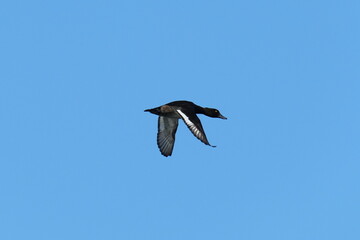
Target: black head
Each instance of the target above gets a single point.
(212, 112)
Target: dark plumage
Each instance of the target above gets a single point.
(168, 122)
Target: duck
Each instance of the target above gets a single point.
(170, 113)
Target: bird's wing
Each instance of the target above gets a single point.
(166, 134)
(194, 124)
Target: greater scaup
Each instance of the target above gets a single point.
(168, 122)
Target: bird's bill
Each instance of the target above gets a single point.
(222, 117)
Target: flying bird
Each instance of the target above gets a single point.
(170, 113)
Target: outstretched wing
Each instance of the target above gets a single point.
(194, 124)
(166, 134)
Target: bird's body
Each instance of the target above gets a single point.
(170, 113)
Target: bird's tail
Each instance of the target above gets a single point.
(153, 110)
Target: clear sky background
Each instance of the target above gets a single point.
(78, 156)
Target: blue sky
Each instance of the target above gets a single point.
(78, 155)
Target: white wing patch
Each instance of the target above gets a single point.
(193, 128)
(189, 123)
